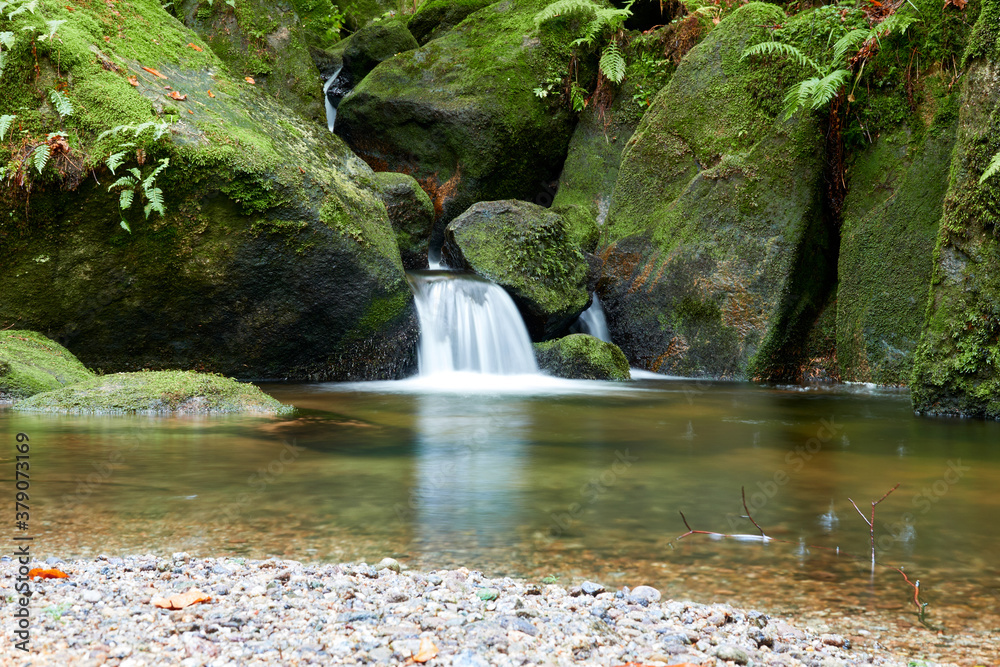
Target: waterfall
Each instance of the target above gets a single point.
(468, 324)
(593, 322)
(331, 111)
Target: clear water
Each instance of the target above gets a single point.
(575, 479)
(593, 322)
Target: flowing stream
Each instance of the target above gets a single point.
(593, 322)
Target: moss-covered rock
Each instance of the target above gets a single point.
(582, 357)
(376, 43)
(434, 18)
(889, 230)
(525, 249)
(720, 260)
(957, 363)
(156, 392)
(411, 215)
(30, 363)
(459, 113)
(359, 13)
(274, 257)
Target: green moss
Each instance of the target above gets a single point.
(434, 18)
(30, 363)
(583, 357)
(156, 393)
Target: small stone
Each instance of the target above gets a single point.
(468, 659)
(591, 588)
(92, 596)
(644, 595)
(519, 624)
(832, 640)
(730, 652)
(389, 564)
(397, 596)
(53, 560)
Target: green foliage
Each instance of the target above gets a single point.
(134, 183)
(5, 122)
(992, 169)
(62, 104)
(40, 157)
(601, 21)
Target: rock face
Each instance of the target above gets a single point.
(31, 363)
(411, 215)
(459, 113)
(957, 366)
(719, 260)
(274, 257)
(889, 230)
(374, 44)
(156, 392)
(582, 357)
(434, 18)
(525, 249)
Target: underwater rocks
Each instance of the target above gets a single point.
(582, 357)
(30, 364)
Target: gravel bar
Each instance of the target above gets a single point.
(283, 612)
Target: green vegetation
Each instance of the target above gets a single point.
(583, 357)
(30, 364)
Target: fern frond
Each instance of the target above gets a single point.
(796, 96)
(62, 104)
(40, 157)
(139, 129)
(5, 122)
(155, 201)
(566, 8)
(613, 62)
(852, 39)
(125, 226)
(3, 62)
(125, 200)
(826, 88)
(135, 172)
(781, 49)
(992, 169)
(114, 161)
(124, 181)
(27, 7)
(7, 38)
(160, 129)
(54, 26)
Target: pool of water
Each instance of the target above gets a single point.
(570, 479)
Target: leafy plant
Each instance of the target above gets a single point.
(62, 104)
(991, 170)
(601, 21)
(5, 122)
(134, 183)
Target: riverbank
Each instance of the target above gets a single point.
(264, 612)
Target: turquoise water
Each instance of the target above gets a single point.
(574, 480)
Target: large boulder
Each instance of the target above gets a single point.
(411, 215)
(156, 392)
(459, 113)
(889, 230)
(374, 44)
(434, 18)
(30, 363)
(719, 258)
(273, 258)
(525, 249)
(582, 357)
(957, 363)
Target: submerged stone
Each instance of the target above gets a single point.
(31, 364)
(156, 392)
(582, 357)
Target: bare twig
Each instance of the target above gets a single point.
(743, 490)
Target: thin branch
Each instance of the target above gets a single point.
(861, 513)
(743, 490)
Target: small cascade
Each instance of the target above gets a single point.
(332, 99)
(593, 322)
(470, 325)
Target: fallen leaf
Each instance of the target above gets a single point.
(154, 72)
(426, 651)
(211, 94)
(47, 574)
(182, 600)
(134, 81)
(190, 112)
(195, 46)
(251, 81)
(957, 3)
(177, 96)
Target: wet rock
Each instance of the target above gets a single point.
(732, 653)
(389, 564)
(592, 588)
(583, 357)
(31, 364)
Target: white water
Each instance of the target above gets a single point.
(593, 322)
(469, 325)
(331, 111)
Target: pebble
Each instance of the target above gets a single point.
(271, 612)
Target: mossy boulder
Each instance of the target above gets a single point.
(525, 249)
(411, 215)
(376, 43)
(957, 363)
(459, 113)
(719, 258)
(889, 230)
(274, 256)
(30, 363)
(359, 13)
(434, 18)
(582, 357)
(156, 392)
(265, 41)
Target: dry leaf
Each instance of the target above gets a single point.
(154, 72)
(251, 81)
(957, 3)
(211, 94)
(134, 81)
(195, 46)
(177, 96)
(47, 574)
(182, 600)
(426, 651)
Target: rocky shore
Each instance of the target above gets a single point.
(110, 611)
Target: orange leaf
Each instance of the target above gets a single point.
(192, 596)
(47, 574)
(177, 96)
(426, 651)
(134, 81)
(211, 94)
(195, 46)
(251, 81)
(154, 72)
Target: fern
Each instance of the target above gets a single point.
(40, 157)
(992, 169)
(5, 122)
(62, 104)
(114, 161)
(125, 199)
(566, 8)
(53, 27)
(613, 62)
(781, 49)
(123, 181)
(27, 7)
(7, 39)
(155, 197)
